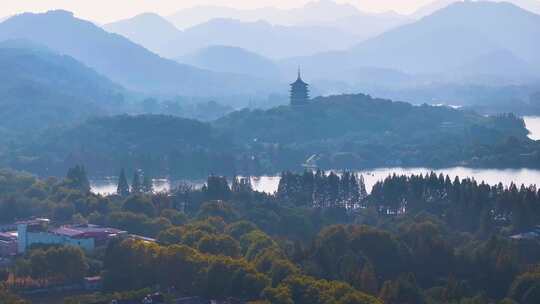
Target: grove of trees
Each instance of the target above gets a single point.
(321, 238)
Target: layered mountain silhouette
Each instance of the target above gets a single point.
(430, 8)
(316, 27)
(232, 60)
(318, 13)
(465, 43)
(143, 29)
(274, 41)
(443, 42)
(41, 89)
(120, 59)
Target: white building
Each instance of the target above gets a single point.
(87, 237)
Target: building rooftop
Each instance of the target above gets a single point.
(34, 221)
(7, 236)
(93, 279)
(86, 231)
(299, 80)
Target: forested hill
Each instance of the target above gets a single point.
(357, 131)
(41, 89)
(357, 117)
(157, 143)
(348, 131)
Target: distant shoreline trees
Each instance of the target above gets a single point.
(140, 183)
(321, 190)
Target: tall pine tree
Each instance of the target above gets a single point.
(136, 186)
(123, 187)
(76, 178)
(148, 184)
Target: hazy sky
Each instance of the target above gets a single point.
(110, 10)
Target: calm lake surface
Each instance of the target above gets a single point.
(533, 125)
(269, 184)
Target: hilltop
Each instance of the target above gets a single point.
(348, 131)
(120, 59)
(41, 89)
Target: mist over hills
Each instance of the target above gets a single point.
(142, 29)
(467, 35)
(316, 27)
(460, 43)
(498, 63)
(226, 59)
(26, 61)
(430, 8)
(40, 89)
(483, 46)
(120, 59)
(314, 13)
(274, 41)
(442, 43)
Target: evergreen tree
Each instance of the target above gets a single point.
(217, 188)
(235, 186)
(362, 187)
(241, 185)
(147, 185)
(332, 190)
(136, 186)
(77, 179)
(123, 187)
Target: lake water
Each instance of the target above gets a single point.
(106, 186)
(269, 184)
(533, 125)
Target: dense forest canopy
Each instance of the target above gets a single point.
(346, 131)
(151, 142)
(319, 239)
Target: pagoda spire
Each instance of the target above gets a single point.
(299, 91)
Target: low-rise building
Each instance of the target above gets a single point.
(8, 244)
(87, 237)
(528, 235)
(93, 283)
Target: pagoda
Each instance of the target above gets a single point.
(299, 91)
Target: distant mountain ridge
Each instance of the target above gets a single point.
(32, 62)
(226, 59)
(119, 59)
(142, 29)
(318, 26)
(443, 42)
(40, 89)
(273, 41)
(316, 12)
(430, 8)
(270, 40)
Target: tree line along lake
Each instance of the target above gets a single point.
(269, 184)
